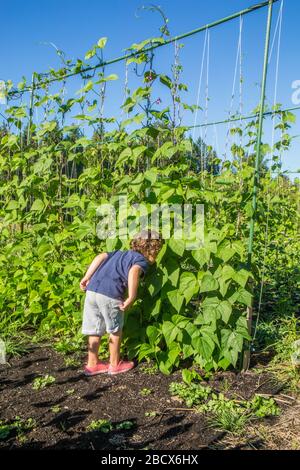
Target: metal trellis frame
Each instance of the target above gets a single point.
(148, 49)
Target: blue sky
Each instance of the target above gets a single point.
(75, 26)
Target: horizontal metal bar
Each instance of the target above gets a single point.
(243, 118)
(155, 46)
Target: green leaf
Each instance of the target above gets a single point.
(177, 246)
(12, 205)
(88, 86)
(155, 309)
(90, 53)
(155, 282)
(112, 76)
(202, 256)
(165, 80)
(111, 244)
(151, 175)
(208, 283)
(171, 271)
(145, 350)
(124, 157)
(235, 341)
(244, 297)
(170, 331)
(241, 277)
(176, 299)
(47, 127)
(73, 201)
(225, 251)
(153, 334)
(231, 355)
(180, 321)
(102, 42)
(188, 285)
(204, 345)
(226, 309)
(38, 205)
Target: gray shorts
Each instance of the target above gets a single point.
(101, 315)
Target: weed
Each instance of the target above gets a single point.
(225, 415)
(68, 345)
(224, 385)
(5, 430)
(281, 366)
(295, 445)
(233, 416)
(42, 382)
(101, 425)
(151, 414)
(146, 391)
(105, 426)
(149, 369)
(124, 425)
(263, 407)
(22, 439)
(62, 425)
(20, 426)
(72, 362)
(55, 409)
(15, 339)
(191, 394)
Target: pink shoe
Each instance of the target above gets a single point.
(100, 368)
(123, 366)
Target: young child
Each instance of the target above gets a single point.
(105, 283)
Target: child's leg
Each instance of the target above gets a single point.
(93, 349)
(115, 340)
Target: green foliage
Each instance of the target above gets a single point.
(263, 407)
(149, 369)
(124, 425)
(101, 425)
(42, 382)
(194, 301)
(69, 345)
(280, 336)
(146, 391)
(56, 409)
(72, 362)
(233, 416)
(189, 375)
(14, 335)
(191, 394)
(19, 426)
(151, 414)
(226, 415)
(105, 426)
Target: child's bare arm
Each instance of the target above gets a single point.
(133, 283)
(93, 266)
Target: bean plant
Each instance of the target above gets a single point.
(193, 303)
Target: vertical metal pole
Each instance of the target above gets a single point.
(31, 108)
(246, 356)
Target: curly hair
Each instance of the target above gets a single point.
(148, 243)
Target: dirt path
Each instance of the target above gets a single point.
(63, 410)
